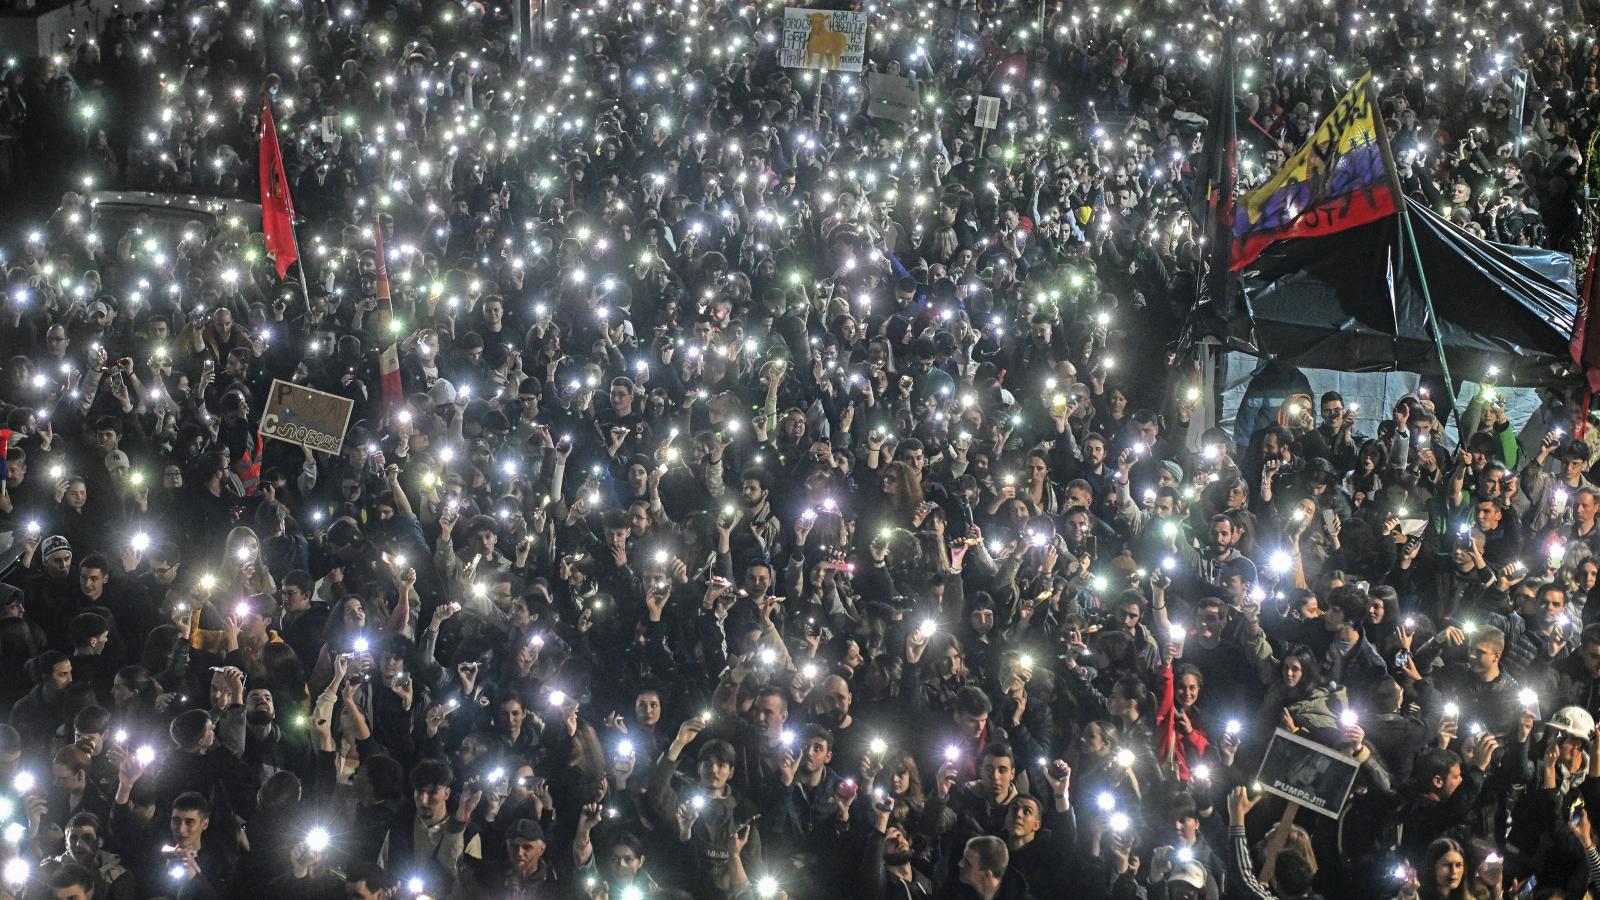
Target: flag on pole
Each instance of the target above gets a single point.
(389, 375)
(383, 267)
(389, 358)
(1342, 177)
(1217, 168)
(1585, 345)
(385, 304)
(277, 207)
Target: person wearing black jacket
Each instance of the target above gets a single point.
(886, 855)
(1040, 834)
(1577, 675)
(986, 874)
(1447, 791)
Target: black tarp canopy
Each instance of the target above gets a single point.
(1353, 302)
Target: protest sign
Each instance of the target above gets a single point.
(891, 97)
(1519, 100)
(834, 40)
(306, 416)
(1307, 773)
(987, 113)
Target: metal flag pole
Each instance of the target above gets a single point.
(1403, 210)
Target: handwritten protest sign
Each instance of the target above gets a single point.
(831, 39)
(306, 416)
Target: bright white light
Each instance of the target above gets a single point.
(17, 871)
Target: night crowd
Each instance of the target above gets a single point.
(773, 492)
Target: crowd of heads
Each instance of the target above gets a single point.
(727, 479)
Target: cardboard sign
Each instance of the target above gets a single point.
(306, 416)
(834, 40)
(987, 112)
(1307, 773)
(891, 97)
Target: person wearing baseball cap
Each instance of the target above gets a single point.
(117, 463)
(524, 871)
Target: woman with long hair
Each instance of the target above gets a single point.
(1384, 620)
(246, 573)
(1040, 492)
(900, 492)
(1366, 480)
(286, 676)
(165, 655)
(944, 672)
(1300, 691)
(1106, 764)
(1443, 874)
(1132, 707)
(899, 778)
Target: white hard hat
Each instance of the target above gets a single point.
(1574, 720)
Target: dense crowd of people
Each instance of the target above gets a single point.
(773, 492)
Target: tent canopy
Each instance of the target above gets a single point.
(1353, 302)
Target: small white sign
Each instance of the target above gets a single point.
(987, 115)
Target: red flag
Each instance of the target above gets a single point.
(389, 375)
(383, 267)
(277, 207)
(1585, 345)
(385, 303)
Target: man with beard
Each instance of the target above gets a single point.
(109, 879)
(830, 707)
(886, 868)
(269, 748)
(206, 513)
(756, 491)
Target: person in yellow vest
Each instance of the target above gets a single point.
(245, 444)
